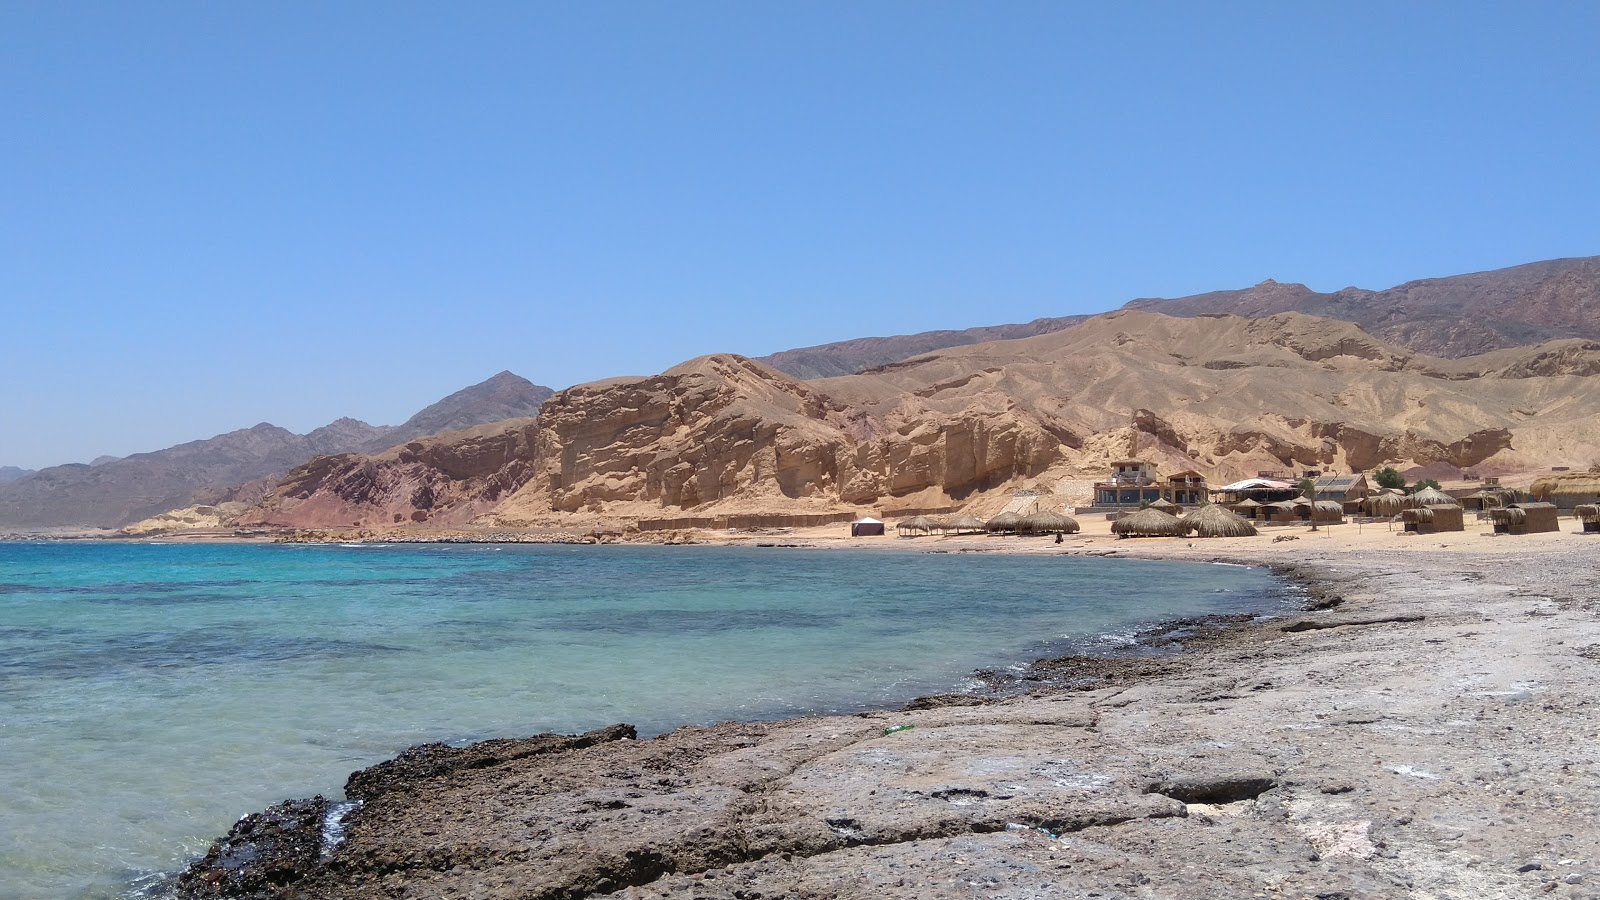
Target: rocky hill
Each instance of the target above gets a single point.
(504, 396)
(12, 473)
(728, 435)
(1458, 316)
(238, 465)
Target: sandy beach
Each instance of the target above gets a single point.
(1430, 732)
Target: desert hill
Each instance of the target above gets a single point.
(113, 493)
(1457, 316)
(503, 396)
(1461, 315)
(12, 473)
(852, 356)
(728, 435)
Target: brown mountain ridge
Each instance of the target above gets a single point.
(119, 491)
(729, 435)
(1460, 315)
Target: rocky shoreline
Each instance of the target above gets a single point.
(1424, 729)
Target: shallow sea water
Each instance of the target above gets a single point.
(150, 695)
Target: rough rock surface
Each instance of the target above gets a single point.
(1431, 738)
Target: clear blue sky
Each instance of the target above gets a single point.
(214, 214)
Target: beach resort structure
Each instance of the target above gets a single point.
(1258, 491)
(1133, 483)
(1567, 490)
(1525, 518)
(1433, 519)
(1346, 490)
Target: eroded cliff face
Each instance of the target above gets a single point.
(714, 429)
(724, 435)
(447, 479)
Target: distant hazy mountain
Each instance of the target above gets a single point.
(1452, 317)
(505, 396)
(860, 354)
(12, 473)
(1458, 316)
(119, 491)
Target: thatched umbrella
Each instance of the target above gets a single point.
(966, 523)
(1048, 522)
(1327, 511)
(1486, 498)
(1215, 520)
(1164, 504)
(1431, 497)
(916, 523)
(938, 525)
(1006, 521)
(1387, 503)
(1148, 523)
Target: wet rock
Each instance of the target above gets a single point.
(437, 760)
(263, 852)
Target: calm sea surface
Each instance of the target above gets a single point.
(150, 695)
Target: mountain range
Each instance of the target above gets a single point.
(1461, 315)
(725, 435)
(1493, 370)
(114, 492)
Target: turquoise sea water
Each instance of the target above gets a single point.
(150, 695)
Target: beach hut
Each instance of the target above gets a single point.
(866, 526)
(1148, 523)
(1432, 519)
(1215, 520)
(1431, 497)
(1246, 508)
(1387, 502)
(1486, 499)
(1047, 522)
(1006, 521)
(1284, 512)
(938, 525)
(1525, 518)
(1589, 515)
(966, 524)
(1566, 490)
(1327, 512)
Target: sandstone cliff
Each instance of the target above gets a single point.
(725, 435)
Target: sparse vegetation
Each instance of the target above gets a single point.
(1388, 477)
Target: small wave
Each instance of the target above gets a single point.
(1233, 565)
(333, 824)
(1119, 638)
